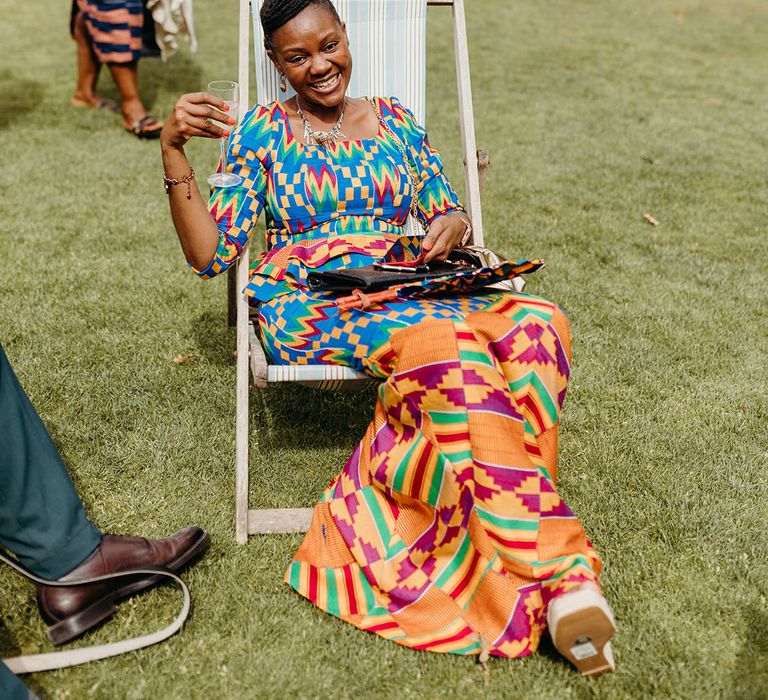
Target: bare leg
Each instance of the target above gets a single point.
(88, 66)
(126, 77)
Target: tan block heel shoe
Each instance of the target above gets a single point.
(581, 625)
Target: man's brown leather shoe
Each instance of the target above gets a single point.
(69, 612)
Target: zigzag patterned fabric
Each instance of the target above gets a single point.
(325, 208)
(444, 531)
(307, 328)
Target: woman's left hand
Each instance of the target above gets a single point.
(445, 233)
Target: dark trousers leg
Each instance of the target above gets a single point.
(41, 516)
(11, 687)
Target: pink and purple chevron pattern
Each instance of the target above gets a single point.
(444, 531)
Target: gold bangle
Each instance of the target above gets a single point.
(169, 182)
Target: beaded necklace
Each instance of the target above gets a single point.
(322, 138)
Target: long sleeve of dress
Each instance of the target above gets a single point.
(435, 194)
(236, 209)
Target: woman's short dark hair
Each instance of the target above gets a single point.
(275, 13)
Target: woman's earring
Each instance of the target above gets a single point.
(283, 86)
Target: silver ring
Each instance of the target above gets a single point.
(207, 123)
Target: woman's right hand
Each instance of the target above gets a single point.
(195, 114)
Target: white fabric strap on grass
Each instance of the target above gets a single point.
(62, 659)
(388, 44)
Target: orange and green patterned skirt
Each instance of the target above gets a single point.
(444, 531)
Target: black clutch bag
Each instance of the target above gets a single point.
(382, 275)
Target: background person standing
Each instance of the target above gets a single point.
(111, 33)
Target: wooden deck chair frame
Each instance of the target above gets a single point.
(249, 349)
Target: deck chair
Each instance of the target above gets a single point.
(388, 43)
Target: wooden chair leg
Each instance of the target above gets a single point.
(271, 521)
(241, 408)
(258, 359)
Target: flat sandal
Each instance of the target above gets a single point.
(143, 128)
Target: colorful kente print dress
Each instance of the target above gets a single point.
(444, 530)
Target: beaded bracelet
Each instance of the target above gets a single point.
(169, 182)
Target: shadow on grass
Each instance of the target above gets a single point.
(20, 97)
(290, 414)
(178, 75)
(750, 676)
(214, 338)
(8, 645)
(548, 651)
(296, 416)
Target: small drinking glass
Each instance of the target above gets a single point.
(229, 91)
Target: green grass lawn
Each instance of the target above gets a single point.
(595, 113)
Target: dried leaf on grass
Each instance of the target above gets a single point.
(650, 219)
(181, 359)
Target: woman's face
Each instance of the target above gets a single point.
(312, 50)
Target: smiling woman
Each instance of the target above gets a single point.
(318, 67)
(444, 530)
